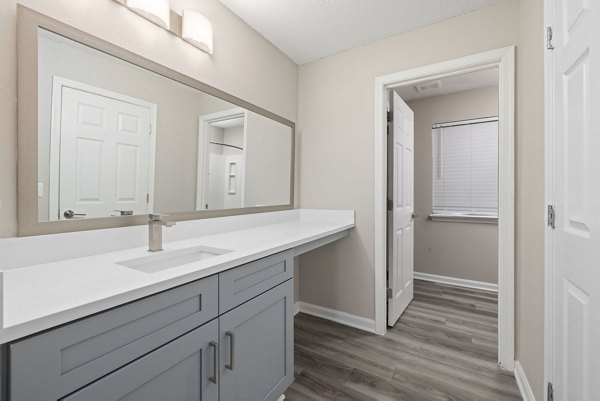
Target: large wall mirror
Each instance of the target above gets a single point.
(119, 137)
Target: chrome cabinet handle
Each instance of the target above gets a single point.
(215, 377)
(231, 336)
(69, 214)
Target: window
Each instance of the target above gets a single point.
(465, 170)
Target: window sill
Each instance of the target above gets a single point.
(454, 218)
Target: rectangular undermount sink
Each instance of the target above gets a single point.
(165, 260)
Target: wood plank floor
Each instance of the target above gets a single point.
(443, 348)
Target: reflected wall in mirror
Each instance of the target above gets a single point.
(116, 139)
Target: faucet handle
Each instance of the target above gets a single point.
(160, 219)
(157, 216)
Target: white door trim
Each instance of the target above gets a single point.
(204, 150)
(56, 112)
(504, 59)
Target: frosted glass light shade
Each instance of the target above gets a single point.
(197, 30)
(157, 11)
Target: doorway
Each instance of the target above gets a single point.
(221, 160)
(443, 186)
(503, 59)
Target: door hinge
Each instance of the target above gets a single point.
(390, 204)
(550, 392)
(150, 130)
(549, 34)
(551, 216)
(389, 293)
(147, 198)
(390, 116)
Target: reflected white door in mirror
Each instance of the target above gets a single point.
(101, 153)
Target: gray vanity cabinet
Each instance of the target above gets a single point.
(225, 337)
(182, 370)
(257, 347)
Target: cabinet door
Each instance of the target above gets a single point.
(182, 370)
(257, 347)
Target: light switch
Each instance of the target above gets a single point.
(40, 189)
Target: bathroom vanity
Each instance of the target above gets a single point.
(216, 324)
(201, 340)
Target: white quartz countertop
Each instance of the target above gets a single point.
(44, 295)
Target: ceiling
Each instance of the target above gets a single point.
(307, 30)
(457, 83)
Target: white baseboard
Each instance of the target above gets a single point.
(523, 383)
(296, 308)
(459, 282)
(344, 318)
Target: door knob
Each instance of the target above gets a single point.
(69, 214)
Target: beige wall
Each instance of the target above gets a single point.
(460, 250)
(336, 124)
(244, 64)
(530, 223)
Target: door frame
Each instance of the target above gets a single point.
(504, 60)
(55, 131)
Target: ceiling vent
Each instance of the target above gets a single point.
(428, 85)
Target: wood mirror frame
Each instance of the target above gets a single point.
(29, 22)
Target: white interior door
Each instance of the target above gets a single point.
(401, 212)
(104, 156)
(576, 164)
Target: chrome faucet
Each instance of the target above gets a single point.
(155, 225)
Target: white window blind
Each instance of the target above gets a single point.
(465, 169)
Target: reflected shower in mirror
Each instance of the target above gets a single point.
(225, 171)
(115, 139)
(245, 167)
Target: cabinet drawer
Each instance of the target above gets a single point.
(243, 283)
(179, 371)
(53, 364)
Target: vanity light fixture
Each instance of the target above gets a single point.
(157, 11)
(197, 30)
(192, 26)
